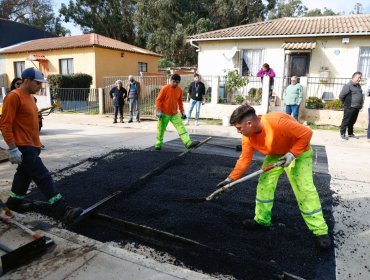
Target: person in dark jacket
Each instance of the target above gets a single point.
(353, 99)
(118, 94)
(197, 94)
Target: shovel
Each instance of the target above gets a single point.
(230, 186)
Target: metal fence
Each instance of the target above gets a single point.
(327, 89)
(81, 100)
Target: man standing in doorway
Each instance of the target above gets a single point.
(134, 90)
(168, 103)
(20, 128)
(353, 99)
(197, 94)
(293, 96)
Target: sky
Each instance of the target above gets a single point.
(338, 6)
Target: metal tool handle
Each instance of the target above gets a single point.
(231, 185)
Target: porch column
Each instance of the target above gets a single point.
(265, 94)
(101, 100)
(215, 89)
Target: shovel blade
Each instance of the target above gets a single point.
(23, 254)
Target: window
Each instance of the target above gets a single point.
(143, 67)
(364, 62)
(19, 66)
(66, 66)
(251, 62)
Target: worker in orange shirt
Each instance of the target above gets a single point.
(279, 137)
(168, 103)
(19, 126)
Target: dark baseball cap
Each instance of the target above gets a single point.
(33, 74)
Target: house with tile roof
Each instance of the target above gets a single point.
(92, 54)
(331, 46)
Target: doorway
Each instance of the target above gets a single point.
(299, 64)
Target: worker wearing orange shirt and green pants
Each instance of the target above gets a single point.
(279, 137)
(168, 103)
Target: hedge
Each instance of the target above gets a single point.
(77, 81)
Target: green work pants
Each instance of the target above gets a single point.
(177, 123)
(299, 173)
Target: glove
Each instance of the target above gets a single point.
(15, 155)
(224, 183)
(158, 113)
(183, 115)
(288, 158)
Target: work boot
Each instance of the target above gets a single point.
(18, 205)
(343, 137)
(323, 241)
(353, 136)
(253, 225)
(193, 144)
(121, 120)
(130, 121)
(114, 120)
(65, 212)
(158, 148)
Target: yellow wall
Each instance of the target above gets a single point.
(97, 62)
(111, 63)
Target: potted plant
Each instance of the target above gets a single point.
(314, 103)
(233, 82)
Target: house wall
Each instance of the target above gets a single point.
(111, 63)
(341, 59)
(97, 62)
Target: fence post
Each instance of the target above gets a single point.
(3, 92)
(304, 82)
(215, 89)
(48, 96)
(265, 95)
(101, 100)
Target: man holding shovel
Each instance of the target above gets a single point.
(279, 137)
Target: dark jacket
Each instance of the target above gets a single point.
(118, 96)
(352, 96)
(196, 91)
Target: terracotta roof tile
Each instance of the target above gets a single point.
(78, 41)
(294, 27)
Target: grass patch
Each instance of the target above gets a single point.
(212, 121)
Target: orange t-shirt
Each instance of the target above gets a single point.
(280, 134)
(169, 100)
(19, 121)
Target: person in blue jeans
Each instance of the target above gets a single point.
(133, 88)
(197, 94)
(293, 96)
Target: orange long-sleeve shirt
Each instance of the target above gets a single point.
(19, 121)
(280, 134)
(169, 100)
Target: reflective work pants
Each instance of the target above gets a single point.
(299, 173)
(177, 123)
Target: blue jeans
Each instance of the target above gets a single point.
(289, 109)
(134, 105)
(32, 168)
(197, 105)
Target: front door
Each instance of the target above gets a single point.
(299, 65)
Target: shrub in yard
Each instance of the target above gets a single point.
(78, 81)
(334, 105)
(314, 103)
(239, 99)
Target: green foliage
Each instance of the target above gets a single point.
(334, 105)
(314, 103)
(254, 96)
(239, 99)
(38, 13)
(317, 12)
(233, 81)
(288, 8)
(164, 62)
(78, 80)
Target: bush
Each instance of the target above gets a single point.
(239, 99)
(334, 105)
(76, 81)
(254, 96)
(314, 103)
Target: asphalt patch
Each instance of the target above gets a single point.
(288, 246)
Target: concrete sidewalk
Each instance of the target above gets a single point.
(70, 138)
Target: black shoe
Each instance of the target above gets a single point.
(114, 121)
(193, 144)
(65, 212)
(323, 241)
(353, 136)
(18, 205)
(252, 225)
(158, 148)
(343, 137)
(121, 121)
(130, 121)
(138, 121)
(71, 214)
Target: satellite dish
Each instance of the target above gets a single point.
(231, 53)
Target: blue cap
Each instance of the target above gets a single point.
(33, 74)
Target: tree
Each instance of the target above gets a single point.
(288, 8)
(111, 18)
(317, 12)
(38, 13)
(357, 9)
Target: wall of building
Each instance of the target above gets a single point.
(341, 59)
(120, 63)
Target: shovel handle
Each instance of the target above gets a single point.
(35, 235)
(231, 185)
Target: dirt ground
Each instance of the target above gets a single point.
(288, 246)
